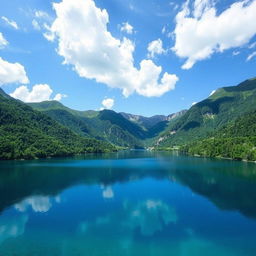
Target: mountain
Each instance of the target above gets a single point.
(209, 115)
(104, 125)
(236, 140)
(148, 122)
(120, 129)
(27, 133)
(144, 122)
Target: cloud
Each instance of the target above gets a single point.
(235, 53)
(212, 93)
(163, 30)
(193, 103)
(41, 14)
(252, 45)
(10, 22)
(155, 48)
(39, 92)
(41, 20)
(108, 103)
(3, 41)
(252, 55)
(36, 25)
(126, 27)
(12, 73)
(85, 43)
(201, 32)
(59, 96)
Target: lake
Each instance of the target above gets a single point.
(128, 203)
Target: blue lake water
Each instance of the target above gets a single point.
(128, 203)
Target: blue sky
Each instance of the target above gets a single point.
(196, 47)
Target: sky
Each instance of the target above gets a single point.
(143, 57)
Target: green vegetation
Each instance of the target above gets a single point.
(223, 125)
(236, 140)
(26, 133)
(207, 116)
(105, 125)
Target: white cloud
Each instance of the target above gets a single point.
(85, 43)
(59, 96)
(39, 92)
(155, 48)
(126, 27)
(10, 22)
(201, 32)
(3, 41)
(41, 20)
(212, 93)
(163, 30)
(12, 73)
(252, 55)
(41, 14)
(36, 25)
(235, 53)
(108, 103)
(252, 45)
(193, 103)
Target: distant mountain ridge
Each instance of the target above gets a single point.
(209, 115)
(228, 107)
(118, 128)
(149, 122)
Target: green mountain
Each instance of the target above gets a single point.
(236, 140)
(117, 128)
(27, 133)
(145, 122)
(211, 114)
(104, 125)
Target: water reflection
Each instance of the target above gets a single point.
(148, 216)
(145, 204)
(37, 203)
(229, 185)
(11, 227)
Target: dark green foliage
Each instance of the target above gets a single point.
(26, 133)
(205, 117)
(104, 125)
(236, 140)
(118, 119)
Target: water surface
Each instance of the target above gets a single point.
(128, 203)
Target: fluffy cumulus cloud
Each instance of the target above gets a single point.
(126, 27)
(39, 92)
(155, 48)
(11, 23)
(12, 73)
(200, 31)
(85, 43)
(59, 96)
(3, 41)
(108, 103)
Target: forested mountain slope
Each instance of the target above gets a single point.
(207, 116)
(26, 133)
